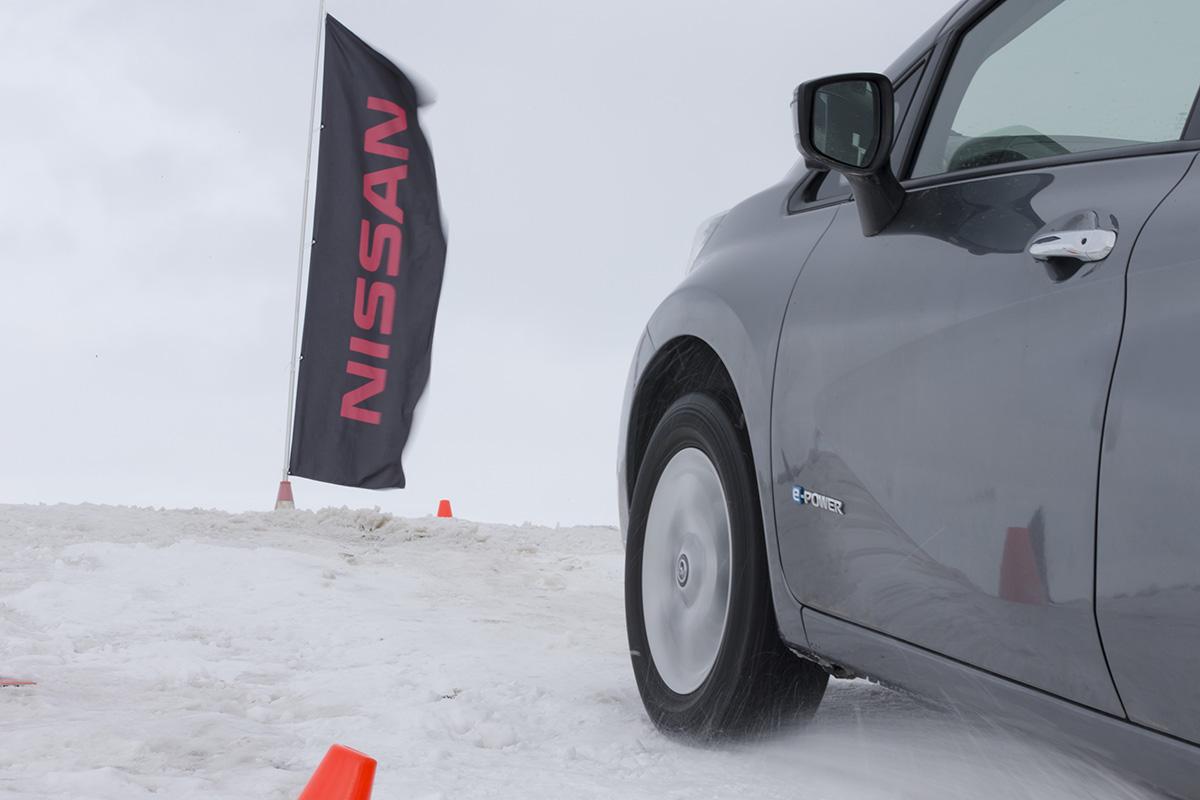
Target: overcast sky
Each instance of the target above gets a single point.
(151, 169)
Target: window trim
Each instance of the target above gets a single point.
(1034, 164)
(918, 70)
(945, 52)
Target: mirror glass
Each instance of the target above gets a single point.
(845, 122)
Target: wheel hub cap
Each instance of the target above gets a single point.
(685, 570)
(682, 570)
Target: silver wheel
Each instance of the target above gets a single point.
(685, 570)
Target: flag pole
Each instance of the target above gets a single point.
(284, 498)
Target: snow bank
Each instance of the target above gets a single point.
(199, 654)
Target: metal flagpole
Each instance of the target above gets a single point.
(284, 497)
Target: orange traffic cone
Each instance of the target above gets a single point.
(284, 498)
(444, 509)
(343, 774)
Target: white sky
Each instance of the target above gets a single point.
(151, 168)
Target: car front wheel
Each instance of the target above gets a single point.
(702, 633)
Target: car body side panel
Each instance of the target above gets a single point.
(1169, 764)
(734, 301)
(1148, 547)
(950, 390)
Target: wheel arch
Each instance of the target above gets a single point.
(682, 365)
(697, 341)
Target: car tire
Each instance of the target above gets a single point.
(695, 547)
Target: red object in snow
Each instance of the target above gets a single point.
(444, 509)
(15, 682)
(343, 774)
(283, 499)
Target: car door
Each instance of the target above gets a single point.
(940, 390)
(1148, 576)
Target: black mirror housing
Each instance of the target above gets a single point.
(846, 123)
(832, 110)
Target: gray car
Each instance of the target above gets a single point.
(928, 409)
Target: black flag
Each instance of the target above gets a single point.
(374, 277)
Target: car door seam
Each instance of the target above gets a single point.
(1103, 429)
(771, 409)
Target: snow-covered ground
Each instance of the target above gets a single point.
(198, 654)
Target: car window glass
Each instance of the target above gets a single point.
(833, 185)
(902, 95)
(1041, 78)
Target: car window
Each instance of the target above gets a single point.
(1038, 78)
(833, 185)
(902, 93)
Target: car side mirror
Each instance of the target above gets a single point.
(845, 123)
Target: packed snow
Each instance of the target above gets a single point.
(200, 654)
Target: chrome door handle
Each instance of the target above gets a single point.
(1090, 245)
